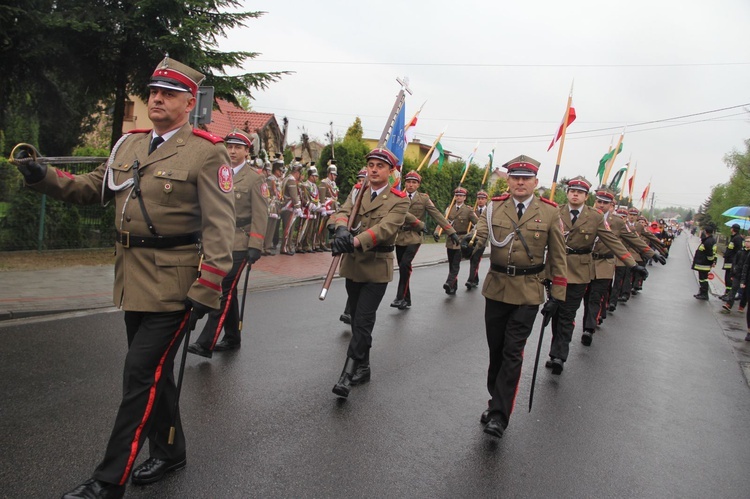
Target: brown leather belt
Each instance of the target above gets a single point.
(129, 240)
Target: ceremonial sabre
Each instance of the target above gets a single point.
(545, 321)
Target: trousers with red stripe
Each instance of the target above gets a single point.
(563, 322)
(228, 315)
(149, 393)
(405, 256)
(507, 327)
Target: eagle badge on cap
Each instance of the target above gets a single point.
(225, 178)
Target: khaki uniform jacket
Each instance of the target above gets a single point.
(589, 226)
(460, 218)
(275, 196)
(637, 246)
(379, 221)
(410, 232)
(183, 193)
(290, 193)
(251, 209)
(329, 191)
(542, 231)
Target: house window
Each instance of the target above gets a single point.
(129, 109)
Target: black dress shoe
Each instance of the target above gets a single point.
(361, 374)
(200, 350)
(447, 287)
(485, 417)
(557, 366)
(549, 363)
(494, 428)
(95, 489)
(586, 338)
(612, 308)
(153, 469)
(345, 318)
(404, 305)
(224, 346)
(396, 303)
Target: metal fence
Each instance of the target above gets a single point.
(29, 220)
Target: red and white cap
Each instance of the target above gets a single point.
(238, 137)
(460, 190)
(413, 176)
(580, 184)
(384, 155)
(522, 166)
(604, 194)
(173, 75)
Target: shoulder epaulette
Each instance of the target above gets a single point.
(398, 193)
(215, 139)
(599, 211)
(358, 186)
(551, 203)
(426, 195)
(502, 197)
(140, 130)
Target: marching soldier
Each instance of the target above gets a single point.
(733, 247)
(459, 217)
(596, 296)
(703, 259)
(274, 205)
(525, 237)
(292, 208)
(582, 225)
(367, 262)
(409, 238)
(346, 316)
(164, 228)
(329, 196)
(251, 217)
(476, 257)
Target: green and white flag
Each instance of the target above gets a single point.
(438, 155)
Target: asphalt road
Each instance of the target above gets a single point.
(656, 407)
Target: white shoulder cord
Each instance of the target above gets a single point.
(109, 181)
(493, 241)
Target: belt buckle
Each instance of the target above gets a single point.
(595, 256)
(510, 270)
(125, 239)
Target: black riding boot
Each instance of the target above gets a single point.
(344, 384)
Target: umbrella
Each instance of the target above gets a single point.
(744, 224)
(738, 212)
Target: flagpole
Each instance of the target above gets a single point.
(645, 193)
(432, 148)
(562, 143)
(614, 157)
(481, 186)
(463, 177)
(408, 123)
(400, 99)
(632, 184)
(625, 181)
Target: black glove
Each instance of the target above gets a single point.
(343, 242)
(253, 255)
(549, 309)
(436, 236)
(454, 238)
(331, 230)
(660, 258)
(198, 311)
(640, 269)
(32, 171)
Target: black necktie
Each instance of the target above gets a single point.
(155, 143)
(575, 216)
(480, 211)
(520, 210)
(373, 196)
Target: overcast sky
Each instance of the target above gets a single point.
(500, 72)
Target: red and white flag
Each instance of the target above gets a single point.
(571, 119)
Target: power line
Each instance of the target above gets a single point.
(488, 65)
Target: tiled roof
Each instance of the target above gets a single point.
(228, 117)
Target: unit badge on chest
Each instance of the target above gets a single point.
(168, 187)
